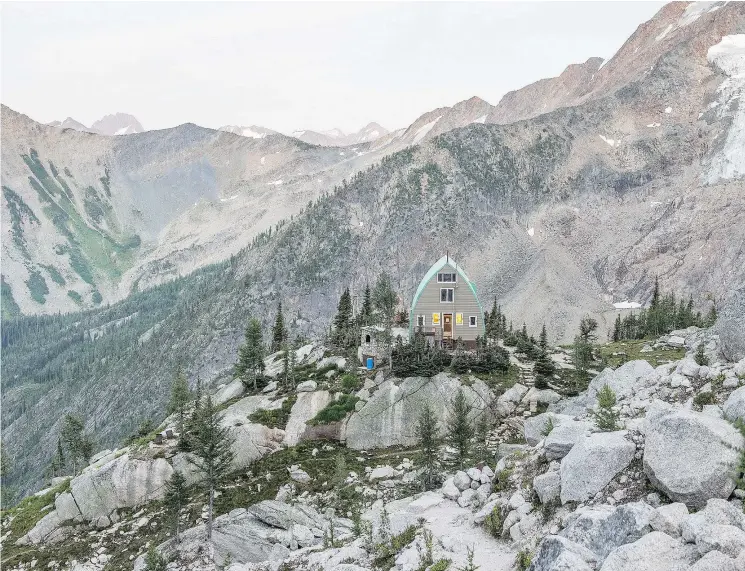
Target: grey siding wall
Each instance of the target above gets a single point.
(464, 302)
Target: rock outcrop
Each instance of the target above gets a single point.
(592, 463)
(690, 456)
(389, 417)
(730, 326)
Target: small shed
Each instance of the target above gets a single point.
(372, 343)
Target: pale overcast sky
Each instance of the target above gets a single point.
(291, 66)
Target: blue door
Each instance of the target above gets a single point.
(370, 363)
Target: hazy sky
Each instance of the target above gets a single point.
(291, 65)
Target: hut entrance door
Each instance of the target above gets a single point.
(447, 325)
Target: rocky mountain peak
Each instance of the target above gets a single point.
(117, 124)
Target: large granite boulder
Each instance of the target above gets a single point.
(734, 406)
(592, 463)
(730, 326)
(603, 528)
(389, 418)
(556, 553)
(230, 391)
(669, 518)
(507, 402)
(98, 492)
(716, 561)
(623, 381)
(690, 456)
(653, 552)
(547, 486)
(265, 532)
(125, 482)
(564, 436)
(254, 441)
(48, 530)
(306, 407)
(717, 512)
(534, 427)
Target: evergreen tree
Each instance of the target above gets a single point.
(543, 369)
(543, 340)
(366, 312)
(617, 328)
(428, 439)
(250, 363)
(289, 364)
(459, 430)
(587, 328)
(79, 445)
(581, 356)
(212, 453)
(180, 397)
(711, 317)
(279, 335)
(385, 301)
(59, 459)
(190, 426)
(175, 500)
(700, 356)
(342, 332)
(605, 417)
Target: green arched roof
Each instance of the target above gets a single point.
(431, 273)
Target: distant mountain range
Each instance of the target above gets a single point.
(116, 124)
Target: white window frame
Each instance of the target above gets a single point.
(453, 277)
(424, 320)
(473, 321)
(452, 295)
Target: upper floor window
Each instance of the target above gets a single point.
(446, 294)
(420, 321)
(446, 277)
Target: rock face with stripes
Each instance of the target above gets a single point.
(390, 416)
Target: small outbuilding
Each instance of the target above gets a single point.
(446, 306)
(373, 344)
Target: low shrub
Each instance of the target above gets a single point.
(704, 398)
(494, 522)
(335, 411)
(275, 418)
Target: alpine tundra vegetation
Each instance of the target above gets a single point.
(246, 351)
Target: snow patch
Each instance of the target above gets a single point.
(531, 231)
(298, 134)
(248, 132)
(729, 56)
(424, 129)
(276, 182)
(263, 160)
(603, 64)
(653, 125)
(611, 142)
(668, 109)
(693, 12)
(664, 33)
(228, 199)
(481, 119)
(627, 305)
